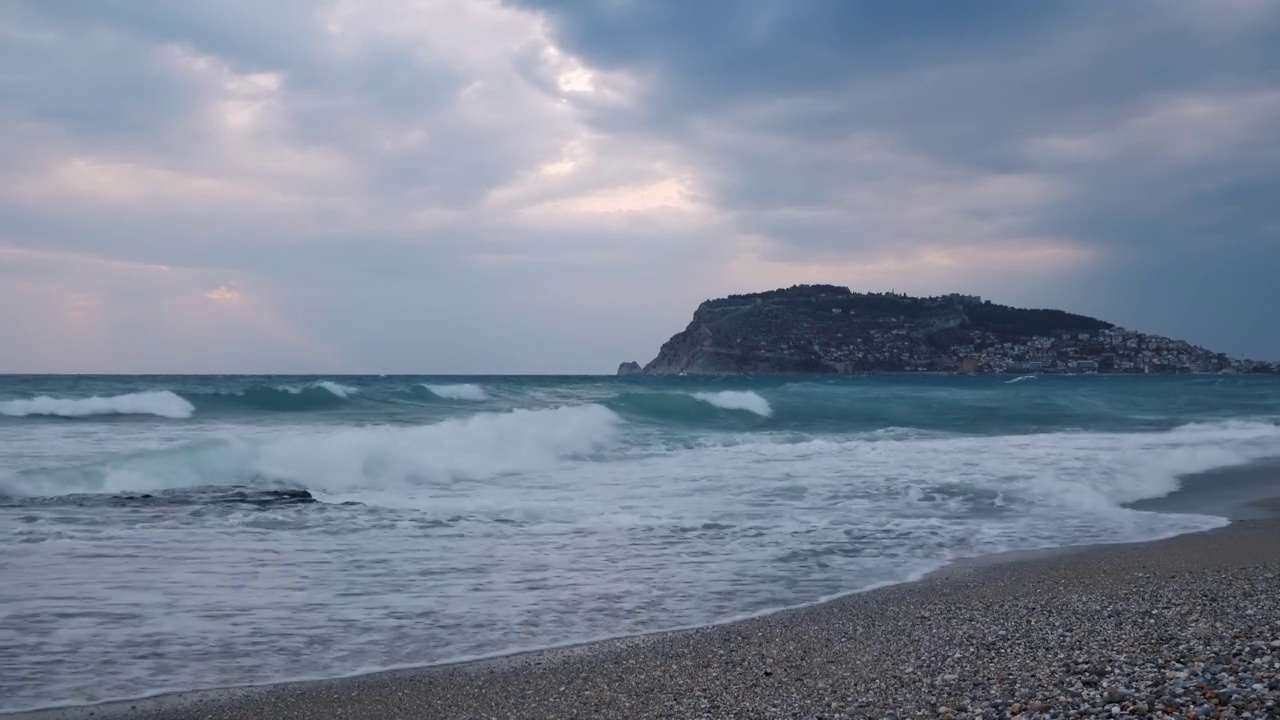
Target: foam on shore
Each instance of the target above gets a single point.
(983, 635)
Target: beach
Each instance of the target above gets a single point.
(1183, 627)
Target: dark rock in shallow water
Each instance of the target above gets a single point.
(263, 498)
(181, 497)
(205, 496)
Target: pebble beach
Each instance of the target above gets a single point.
(1187, 627)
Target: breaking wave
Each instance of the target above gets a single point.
(365, 464)
(1021, 378)
(726, 408)
(474, 465)
(160, 403)
(737, 400)
(462, 391)
(333, 388)
(320, 395)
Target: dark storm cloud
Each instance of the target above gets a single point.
(962, 82)
(47, 78)
(254, 35)
(707, 52)
(1149, 127)
(849, 61)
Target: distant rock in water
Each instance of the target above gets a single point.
(263, 498)
(630, 368)
(831, 329)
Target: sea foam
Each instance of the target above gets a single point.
(737, 400)
(160, 403)
(396, 465)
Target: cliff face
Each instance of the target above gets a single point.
(700, 349)
(824, 328)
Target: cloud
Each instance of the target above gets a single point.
(1129, 142)
(472, 186)
(368, 170)
(140, 317)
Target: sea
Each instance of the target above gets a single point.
(171, 533)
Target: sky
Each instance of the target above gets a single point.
(552, 186)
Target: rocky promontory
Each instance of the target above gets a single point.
(630, 368)
(831, 329)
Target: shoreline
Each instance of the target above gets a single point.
(462, 688)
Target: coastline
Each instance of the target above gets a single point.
(858, 655)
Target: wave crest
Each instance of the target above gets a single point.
(160, 403)
(320, 395)
(737, 400)
(460, 391)
(335, 389)
(687, 409)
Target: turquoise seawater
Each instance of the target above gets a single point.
(165, 533)
(984, 404)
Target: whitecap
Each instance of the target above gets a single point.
(737, 400)
(342, 391)
(461, 391)
(160, 403)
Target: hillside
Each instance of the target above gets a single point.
(831, 329)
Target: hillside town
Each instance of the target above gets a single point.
(1111, 350)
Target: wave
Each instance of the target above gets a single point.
(737, 400)
(818, 407)
(1022, 378)
(685, 409)
(160, 403)
(370, 464)
(462, 391)
(333, 388)
(320, 395)
(1071, 487)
